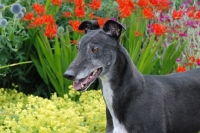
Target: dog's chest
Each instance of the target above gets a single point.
(108, 97)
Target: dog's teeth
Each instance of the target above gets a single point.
(94, 72)
(82, 85)
(91, 77)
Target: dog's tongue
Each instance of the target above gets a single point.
(78, 85)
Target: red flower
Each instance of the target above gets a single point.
(95, 4)
(143, 3)
(80, 12)
(125, 13)
(42, 20)
(148, 13)
(67, 14)
(125, 7)
(177, 14)
(29, 16)
(38, 8)
(51, 30)
(180, 69)
(101, 21)
(75, 24)
(197, 15)
(159, 29)
(56, 2)
(137, 33)
(154, 2)
(198, 61)
(190, 14)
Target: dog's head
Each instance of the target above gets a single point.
(96, 53)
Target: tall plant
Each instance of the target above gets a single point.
(151, 38)
(54, 46)
(51, 62)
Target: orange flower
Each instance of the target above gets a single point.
(197, 15)
(51, 30)
(148, 13)
(191, 60)
(163, 5)
(42, 20)
(75, 42)
(80, 12)
(137, 33)
(56, 2)
(177, 14)
(29, 16)
(67, 14)
(159, 29)
(180, 69)
(95, 4)
(101, 21)
(75, 24)
(125, 7)
(143, 3)
(125, 13)
(91, 15)
(38, 8)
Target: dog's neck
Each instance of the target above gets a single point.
(123, 81)
(124, 72)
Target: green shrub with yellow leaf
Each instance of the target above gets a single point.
(20, 113)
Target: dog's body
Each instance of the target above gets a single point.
(135, 103)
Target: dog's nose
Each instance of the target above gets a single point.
(69, 75)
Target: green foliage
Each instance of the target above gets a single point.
(15, 49)
(21, 113)
(147, 51)
(51, 61)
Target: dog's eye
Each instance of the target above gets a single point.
(95, 49)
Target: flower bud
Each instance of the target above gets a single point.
(20, 15)
(16, 8)
(3, 22)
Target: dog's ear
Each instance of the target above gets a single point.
(113, 28)
(89, 25)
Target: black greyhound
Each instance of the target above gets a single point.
(135, 103)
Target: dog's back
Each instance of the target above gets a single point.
(179, 96)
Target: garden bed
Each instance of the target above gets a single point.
(20, 113)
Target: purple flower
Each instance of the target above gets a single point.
(191, 23)
(114, 19)
(183, 34)
(178, 60)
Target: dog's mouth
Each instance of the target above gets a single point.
(84, 83)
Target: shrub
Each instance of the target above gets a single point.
(20, 113)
